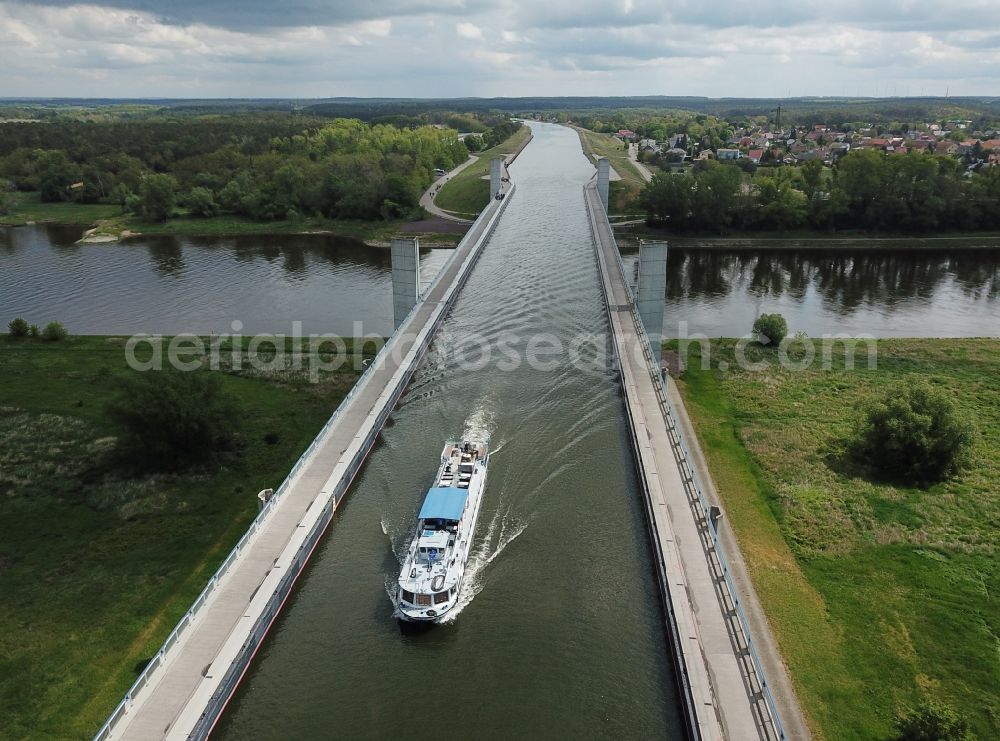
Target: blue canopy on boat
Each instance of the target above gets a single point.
(444, 503)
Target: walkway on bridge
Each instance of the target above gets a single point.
(722, 681)
(184, 689)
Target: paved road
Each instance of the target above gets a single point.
(633, 154)
(427, 199)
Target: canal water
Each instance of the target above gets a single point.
(560, 634)
(171, 285)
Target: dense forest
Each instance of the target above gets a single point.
(263, 165)
(913, 193)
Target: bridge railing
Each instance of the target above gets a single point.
(182, 625)
(690, 477)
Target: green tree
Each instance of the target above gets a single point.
(812, 176)
(157, 197)
(770, 329)
(56, 175)
(54, 332)
(201, 202)
(859, 177)
(121, 194)
(18, 327)
(173, 420)
(780, 205)
(916, 433)
(667, 200)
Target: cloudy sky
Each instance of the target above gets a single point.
(444, 48)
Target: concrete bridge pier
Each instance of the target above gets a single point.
(603, 178)
(496, 172)
(405, 277)
(652, 288)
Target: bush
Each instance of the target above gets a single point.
(770, 329)
(931, 721)
(18, 328)
(33, 331)
(201, 202)
(172, 419)
(915, 433)
(54, 332)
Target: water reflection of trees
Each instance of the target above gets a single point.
(692, 273)
(166, 254)
(845, 280)
(977, 273)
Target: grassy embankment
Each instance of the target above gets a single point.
(109, 221)
(878, 595)
(622, 193)
(97, 563)
(468, 193)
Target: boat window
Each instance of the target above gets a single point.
(453, 591)
(440, 597)
(465, 468)
(423, 600)
(407, 596)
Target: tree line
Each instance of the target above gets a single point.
(265, 166)
(912, 193)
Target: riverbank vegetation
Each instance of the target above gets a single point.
(468, 192)
(264, 167)
(98, 558)
(882, 596)
(914, 193)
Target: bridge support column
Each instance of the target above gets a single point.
(405, 277)
(496, 172)
(603, 177)
(652, 288)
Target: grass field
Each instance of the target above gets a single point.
(109, 221)
(27, 207)
(98, 564)
(622, 193)
(878, 595)
(468, 193)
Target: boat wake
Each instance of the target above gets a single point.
(480, 423)
(492, 544)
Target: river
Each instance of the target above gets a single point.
(202, 284)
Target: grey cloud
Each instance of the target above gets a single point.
(246, 15)
(886, 15)
(565, 14)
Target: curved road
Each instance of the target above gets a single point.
(427, 199)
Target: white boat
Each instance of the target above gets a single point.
(431, 578)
